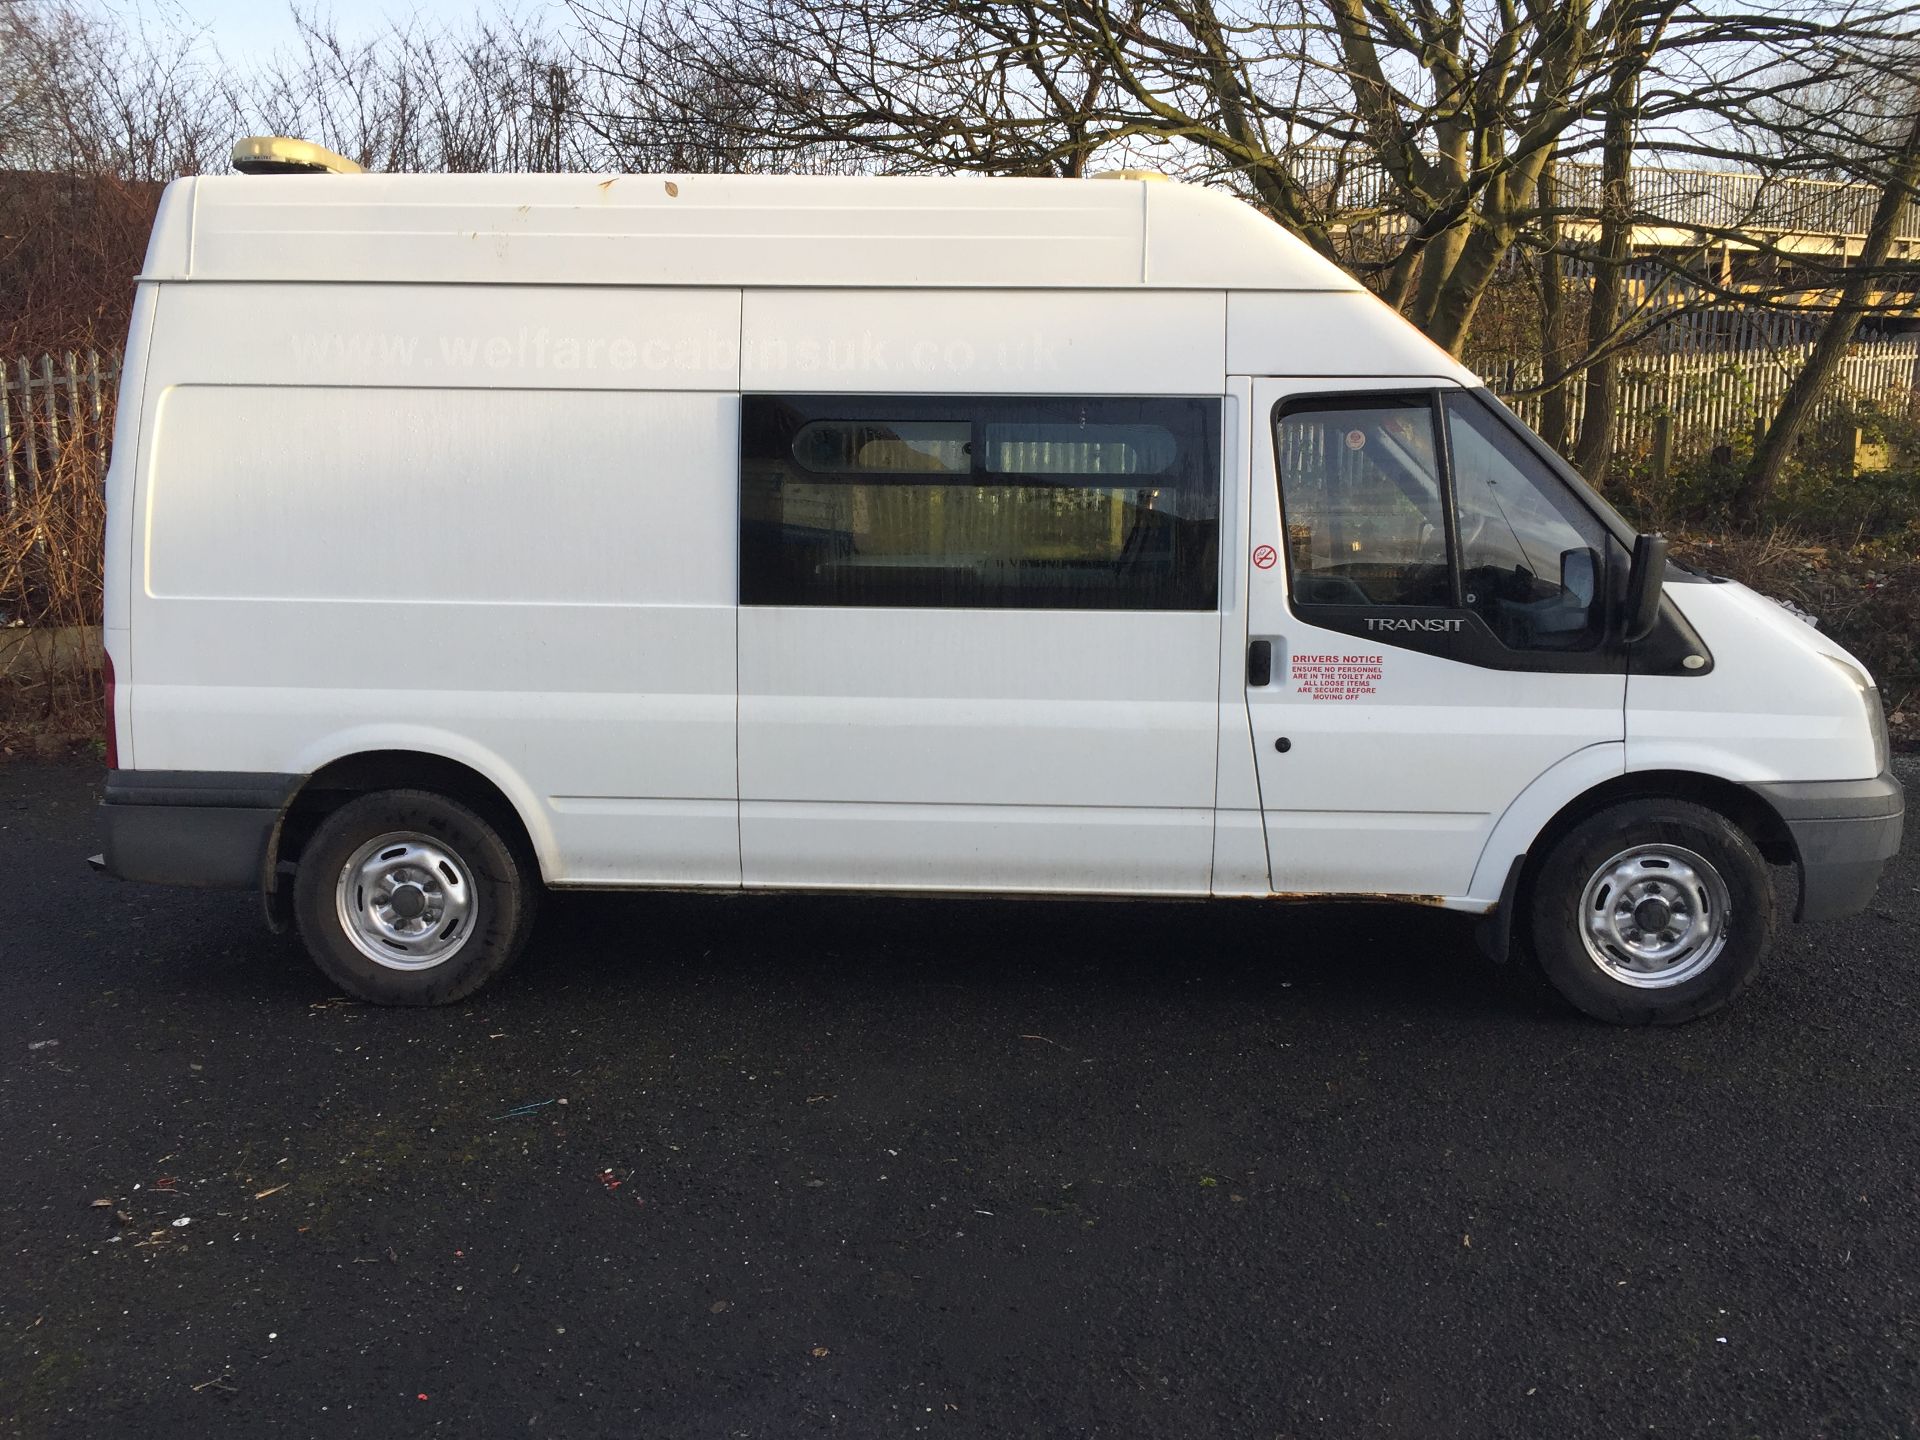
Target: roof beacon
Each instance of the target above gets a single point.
(283, 155)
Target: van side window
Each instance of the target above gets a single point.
(1530, 553)
(1360, 493)
(992, 502)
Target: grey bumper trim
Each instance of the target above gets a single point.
(186, 827)
(242, 789)
(1844, 832)
(1873, 799)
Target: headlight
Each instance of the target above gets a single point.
(1876, 713)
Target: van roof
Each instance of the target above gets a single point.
(730, 230)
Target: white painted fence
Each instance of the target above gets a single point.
(1716, 399)
(48, 403)
(1350, 179)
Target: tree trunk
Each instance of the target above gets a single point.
(1593, 452)
(1437, 261)
(1556, 423)
(1472, 272)
(1770, 456)
(1440, 254)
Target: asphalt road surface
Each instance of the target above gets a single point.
(709, 1167)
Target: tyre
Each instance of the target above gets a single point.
(404, 897)
(1652, 912)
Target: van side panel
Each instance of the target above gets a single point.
(1240, 864)
(978, 750)
(484, 337)
(1065, 342)
(130, 421)
(440, 498)
(1041, 749)
(688, 231)
(535, 580)
(1280, 332)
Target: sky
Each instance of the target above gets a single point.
(244, 29)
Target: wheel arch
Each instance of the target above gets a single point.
(1517, 866)
(364, 771)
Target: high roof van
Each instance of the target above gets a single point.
(471, 536)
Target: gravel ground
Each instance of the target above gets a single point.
(789, 1167)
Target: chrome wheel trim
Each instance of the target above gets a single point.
(1654, 916)
(407, 901)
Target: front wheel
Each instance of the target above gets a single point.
(1652, 912)
(405, 897)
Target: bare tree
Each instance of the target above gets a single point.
(1406, 138)
(1770, 456)
(1593, 452)
(1449, 113)
(87, 96)
(94, 117)
(1431, 146)
(497, 94)
(1551, 285)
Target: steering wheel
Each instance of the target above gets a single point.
(1433, 539)
(1470, 534)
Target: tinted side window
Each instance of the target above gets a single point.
(1003, 502)
(1360, 493)
(1530, 553)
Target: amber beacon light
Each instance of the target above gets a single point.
(284, 155)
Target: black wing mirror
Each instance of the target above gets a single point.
(1580, 575)
(1645, 577)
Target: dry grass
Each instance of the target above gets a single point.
(51, 541)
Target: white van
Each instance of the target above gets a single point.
(475, 534)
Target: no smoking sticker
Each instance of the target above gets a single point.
(1263, 557)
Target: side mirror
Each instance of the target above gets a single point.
(1645, 577)
(1580, 575)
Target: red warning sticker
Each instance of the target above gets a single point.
(1335, 677)
(1264, 556)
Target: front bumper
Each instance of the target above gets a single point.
(1844, 832)
(193, 827)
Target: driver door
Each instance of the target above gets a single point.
(1432, 602)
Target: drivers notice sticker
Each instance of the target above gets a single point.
(1335, 677)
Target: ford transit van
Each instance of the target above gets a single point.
(471, 536)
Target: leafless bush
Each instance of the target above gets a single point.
(499, 94)
(87, 94)
(51, 540)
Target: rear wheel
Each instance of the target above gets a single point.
(1652, 912)
(405, 897)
